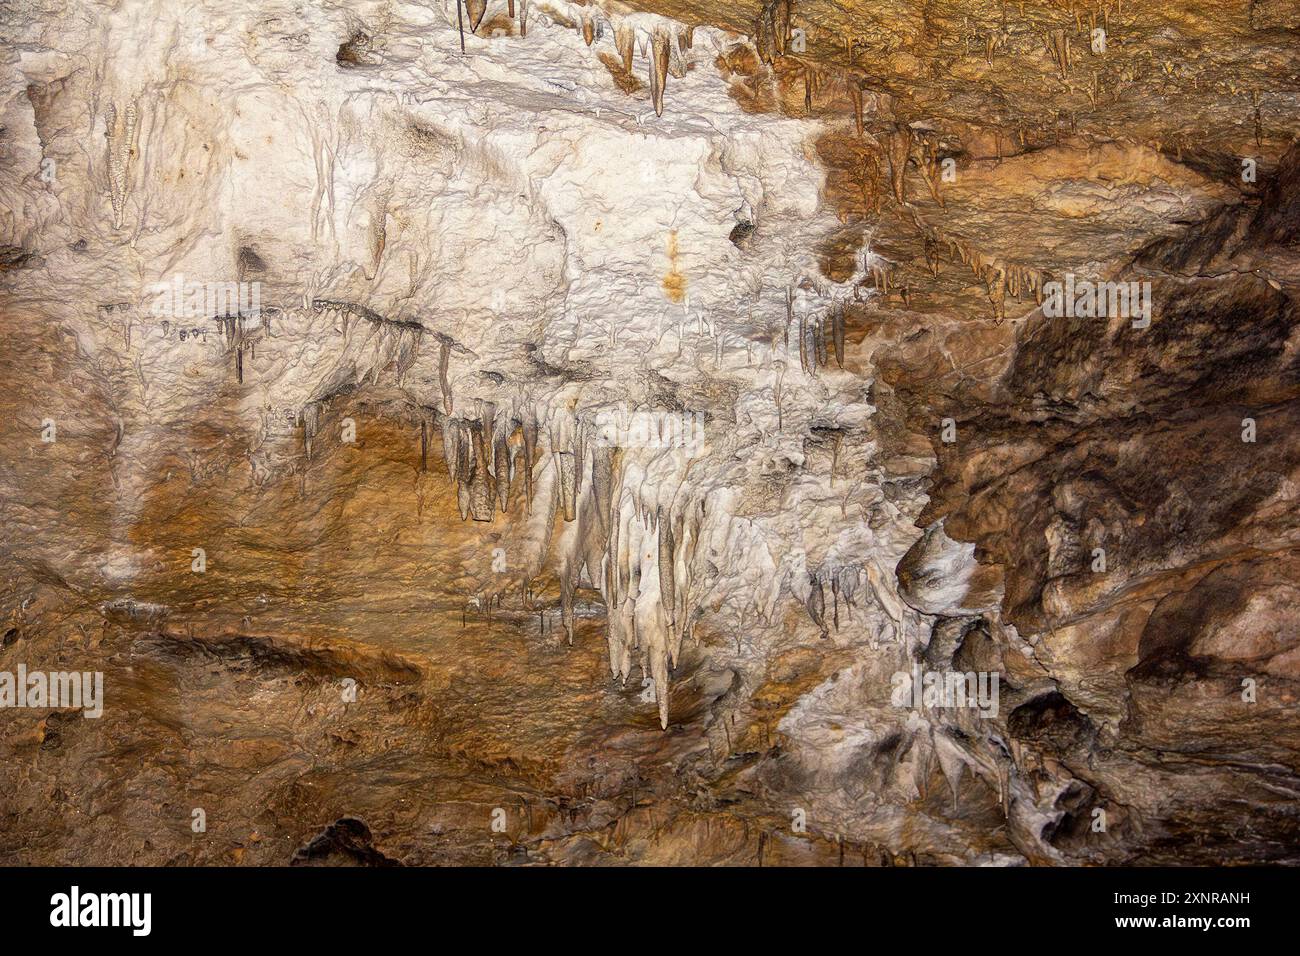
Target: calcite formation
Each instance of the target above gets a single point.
(469, 431)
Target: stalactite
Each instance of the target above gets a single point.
(628, 571)
(592, 541)
(530, 455)
(523, 17)
(667, 594)
(487, 415)
(310, 424)
(502, 457)
(929, 167)
(444, 361)
(847, 579)
(676, 58)
(1060, 46)
(835, 601)
(450, 448)
(837, 333)
(778, 19)
(475, 9)
(763, 39)
(480, 445)
(817, 604)
(602, 467)
(625, 43)
(898, 146)
(567, 464)
(659, 69)
(803, 345)
(466, 470)
(121, 151)
(997, 294)
(481, 497)
(580, 456)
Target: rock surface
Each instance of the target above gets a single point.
(625, 418)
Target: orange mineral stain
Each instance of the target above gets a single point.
(674, 281)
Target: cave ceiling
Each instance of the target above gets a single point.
(676, 433)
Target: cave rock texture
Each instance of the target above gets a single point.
(749, 433)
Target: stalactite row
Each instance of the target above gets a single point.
(481, 453)
(635, 529)
(370, 346)
(999, 276)
(237, 337)
(475, 11)
(384, 342)
(444, 364)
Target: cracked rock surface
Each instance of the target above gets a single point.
(575, 449)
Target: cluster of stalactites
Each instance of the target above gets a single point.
(371, 344)
(820, 334)
(622, 534)
(236, 335)
(474, 11)
(814, 311)
(665, 46)
(481, 454)
(649, 580)
(371, 341)
(843, 583)
(1001, 277)
(772, 30)
(662, 42)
